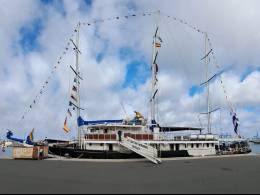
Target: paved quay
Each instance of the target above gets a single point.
(240, 174)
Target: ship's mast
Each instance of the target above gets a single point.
(154, 72)
(78, 83)
(207, 85)
(153, 81)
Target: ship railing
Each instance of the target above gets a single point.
(101, 137)
(148, 137)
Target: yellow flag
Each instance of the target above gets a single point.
(31, 135)
(65, 127)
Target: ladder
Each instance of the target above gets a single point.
(144, 150)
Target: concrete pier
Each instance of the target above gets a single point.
(240, 174)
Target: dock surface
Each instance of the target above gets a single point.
(212, 175)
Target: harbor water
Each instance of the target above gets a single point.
(255, 148)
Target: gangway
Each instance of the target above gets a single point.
(144, 150)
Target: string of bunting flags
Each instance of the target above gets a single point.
(184, 23)
(70, 44)
(232, 110)
(47, 82)
(212, 53)
(118, 18)
(73, 103)
(59, 61)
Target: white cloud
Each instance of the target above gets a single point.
(233, 27)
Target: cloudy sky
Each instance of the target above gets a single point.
(115, 62)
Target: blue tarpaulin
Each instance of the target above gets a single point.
(82, 122)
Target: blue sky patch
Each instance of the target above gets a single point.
(101, 55)
(85, 5)
(248, 71)
(29, 34)
(138, 70)
(131, 6)
(253, 109)
(126, 53)
(195, 90)
(58, 5)
(88, 2)
(46, 2)
(137, 74)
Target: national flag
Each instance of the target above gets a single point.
(65, 127)
(69, 112)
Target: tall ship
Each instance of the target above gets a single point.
(139, 137)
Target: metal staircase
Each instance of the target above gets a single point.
(144, 150)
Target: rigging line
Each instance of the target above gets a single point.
(221, 78)
(171, 37)
(189, 25)
(95, 21)
(46, 83)
(181, 21)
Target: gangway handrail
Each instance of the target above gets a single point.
(138, 148)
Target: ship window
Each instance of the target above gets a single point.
(101, 144)
(177, 147)
(212, 145)
(185, 145)
(192, 145)
(207, 145)
(90, 144)
(172, 146)
(198, 145)
(106, 131)
(110, 147)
